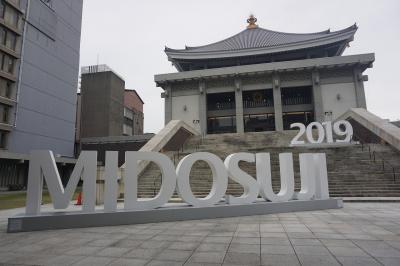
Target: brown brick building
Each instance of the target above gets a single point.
(133, 113)
(105, 108)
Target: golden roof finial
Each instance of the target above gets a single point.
(252, 22)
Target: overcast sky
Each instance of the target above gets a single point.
(129, 36)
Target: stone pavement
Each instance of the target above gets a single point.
(358, 234)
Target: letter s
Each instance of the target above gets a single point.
(247, 181)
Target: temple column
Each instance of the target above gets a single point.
(359, 79)
(239, 106)
(168, 104)
(203, 107)
(276, 88)
(319, 115)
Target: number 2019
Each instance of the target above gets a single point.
(325, 130)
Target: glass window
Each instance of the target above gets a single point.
(221, 101)
(12, 17)
(258, 98)
(5, 88)
(8, 64)
(296, 95)
(128, 113)
(11, 40)
(3, 33)
(9, 89)
(2, 61)
(4, 110)
(3, 136)
(2, 8)
(127, 130)
(221, 124)
(297, 117)
(259, 122)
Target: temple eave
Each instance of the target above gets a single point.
(364, 61)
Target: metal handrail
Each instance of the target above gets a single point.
(373, 156)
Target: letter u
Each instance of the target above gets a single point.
(263, 168)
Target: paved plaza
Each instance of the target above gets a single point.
(358, 234)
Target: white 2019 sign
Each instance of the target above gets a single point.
(313, 176)
(341, 128)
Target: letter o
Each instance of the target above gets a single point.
(321, 132)
(219, 173)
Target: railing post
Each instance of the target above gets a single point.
(394, 175)
(154, 188)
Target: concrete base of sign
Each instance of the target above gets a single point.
(172, 212)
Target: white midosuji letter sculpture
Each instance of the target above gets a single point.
(219, 174)
(313, 171)
(131, 180)
(263, 166)
(249, 184)
(42, 165)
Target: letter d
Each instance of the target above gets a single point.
(131, 180)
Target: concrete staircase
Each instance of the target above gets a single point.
(351, 171)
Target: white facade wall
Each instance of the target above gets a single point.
(338, 98)
(186, 108)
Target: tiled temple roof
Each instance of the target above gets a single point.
(262, 38)
(257, 41)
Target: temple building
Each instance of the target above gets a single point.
(264, 80)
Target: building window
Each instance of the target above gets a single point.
(221, 124)
(127, 130)
(289, 118)
(296, 95)
(128, 113)
(7, 64)
(258, 98)
(2, 8)
(8, 39)
(12, 17)
(10, 65)
(221, 101)
(4, 114)
(3, 136)
(5, 88)
(3, 34)
(11, 40)
(259, 122)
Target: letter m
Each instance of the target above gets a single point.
(43, 166)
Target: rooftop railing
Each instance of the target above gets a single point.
(98, 69)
